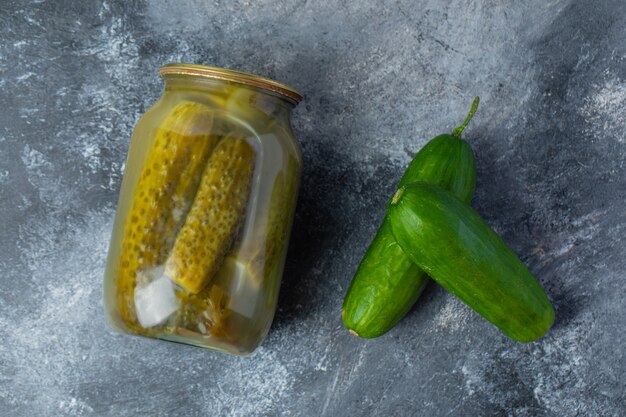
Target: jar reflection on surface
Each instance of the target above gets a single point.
(204, 215)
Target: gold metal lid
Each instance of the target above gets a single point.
(231, 75)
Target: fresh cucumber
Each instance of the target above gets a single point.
(387, 283)
(458, 249)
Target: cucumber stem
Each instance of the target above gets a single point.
(397, 195)
(457, 131)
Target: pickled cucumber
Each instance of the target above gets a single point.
(260, 254)
(243, 105)
(204, 312)
(215, 216)
(163, 194)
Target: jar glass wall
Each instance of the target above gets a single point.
(205, 211)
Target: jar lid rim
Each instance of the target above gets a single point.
(231, 75)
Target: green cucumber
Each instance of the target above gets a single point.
(387, 283)
(458, 249)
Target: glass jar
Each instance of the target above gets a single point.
(205, 211)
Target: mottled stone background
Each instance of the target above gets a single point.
(380, 79)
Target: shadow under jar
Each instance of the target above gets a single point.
(205, 211)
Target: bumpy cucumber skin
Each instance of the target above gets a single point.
(387, 283)
(458, 249)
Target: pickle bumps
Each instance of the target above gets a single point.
(163, 194)
(215, 216)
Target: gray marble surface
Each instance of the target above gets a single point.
(380, 79)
